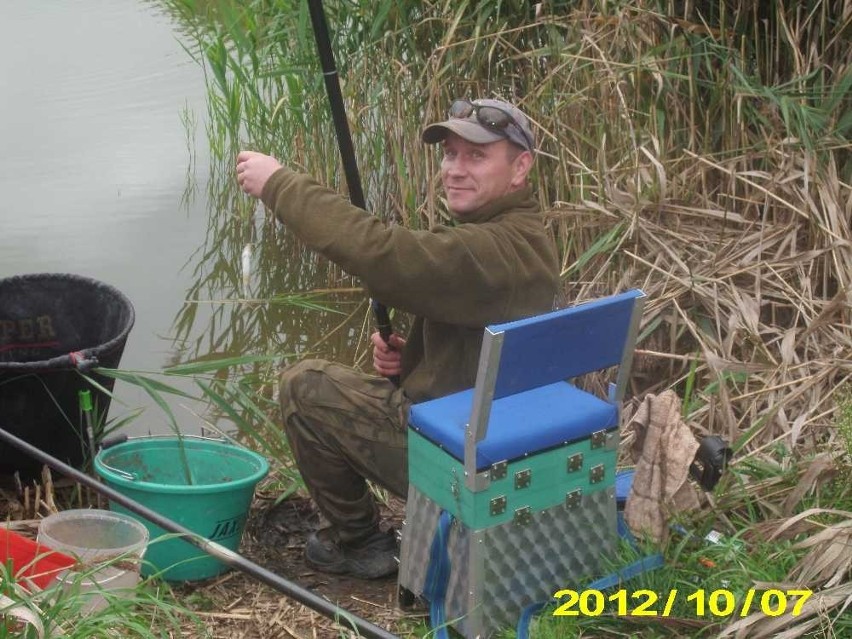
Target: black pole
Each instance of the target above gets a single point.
(344, 141)
(225, 555)
(335, 99)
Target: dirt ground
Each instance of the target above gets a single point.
(236, 605)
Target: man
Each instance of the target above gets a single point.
(495, 264)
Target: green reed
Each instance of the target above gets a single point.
(146, 611)
(623, 92)
(659, 123)
(643, 110)
(699, 150)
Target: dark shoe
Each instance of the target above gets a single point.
(370, 558)
(411, 603)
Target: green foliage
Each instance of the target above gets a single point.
(623, 94)
(695, 568)
(147, 611)
(697, 149)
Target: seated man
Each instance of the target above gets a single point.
(494, 264)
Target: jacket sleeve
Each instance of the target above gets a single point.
(458, 275)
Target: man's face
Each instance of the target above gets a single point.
(476, 174)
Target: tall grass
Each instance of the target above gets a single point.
(698, 149)
(148, 611)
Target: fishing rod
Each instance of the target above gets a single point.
(344, 142)
(225, 555)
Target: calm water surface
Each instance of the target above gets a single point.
(97, 162)
(96, 159)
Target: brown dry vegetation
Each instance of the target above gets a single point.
(696, 149)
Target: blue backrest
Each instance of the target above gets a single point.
(545, 349)
(563, 344)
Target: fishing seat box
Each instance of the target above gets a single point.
(522, 467)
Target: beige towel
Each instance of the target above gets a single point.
(663, 451)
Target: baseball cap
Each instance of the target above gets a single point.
(483, 121)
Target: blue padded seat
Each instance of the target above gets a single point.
(554, 414)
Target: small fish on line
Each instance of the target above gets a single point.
(246, 269)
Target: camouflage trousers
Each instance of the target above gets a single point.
(345, 427)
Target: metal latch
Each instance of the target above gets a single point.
(499, 470)
(596, 473)
(523, 516)
(575, 462)
(497, 506)
(523, 478)
(574, 498)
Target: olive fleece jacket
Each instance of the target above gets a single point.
(497, 265)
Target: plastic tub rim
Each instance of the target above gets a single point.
(93, 513)
(106, 472)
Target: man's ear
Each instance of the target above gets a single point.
(522, 166)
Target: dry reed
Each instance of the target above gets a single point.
(699, 150)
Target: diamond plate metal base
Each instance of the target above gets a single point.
(498, 571)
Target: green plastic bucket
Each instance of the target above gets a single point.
(153, 472)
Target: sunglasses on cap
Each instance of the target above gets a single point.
(491, 117)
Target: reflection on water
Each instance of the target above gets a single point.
(98, 110)
(94, 97)
(297, 305)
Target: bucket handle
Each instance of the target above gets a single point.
(83, 361)
(121, 473)
(109, 442)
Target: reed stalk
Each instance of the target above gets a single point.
(698, 150)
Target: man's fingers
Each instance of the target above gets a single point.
(395, 342)
(242, 156)
(387, 357)
(378, 342)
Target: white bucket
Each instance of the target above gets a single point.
(109, 547)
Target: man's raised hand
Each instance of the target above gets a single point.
(253, 171)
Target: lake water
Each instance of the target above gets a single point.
(96, 158)
(102, 123)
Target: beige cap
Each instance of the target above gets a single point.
(518, 131)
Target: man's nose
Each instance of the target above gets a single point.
(455, 167)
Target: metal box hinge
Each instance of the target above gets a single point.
(523, 516)
(497, 506)
(575, 462)
(596, 473)
(523, 478)
(574, 498)
(499, 470)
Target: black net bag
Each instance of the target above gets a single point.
(52, 328)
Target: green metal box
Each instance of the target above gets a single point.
(531, 484)
(537, 525)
